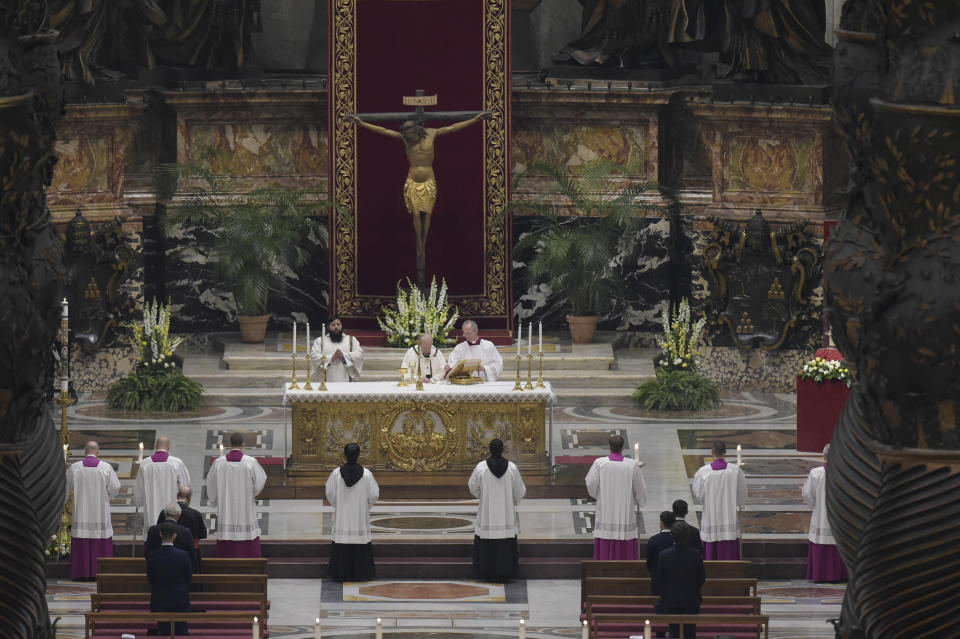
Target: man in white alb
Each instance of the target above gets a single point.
(722, 489)
(496, 482)
(159, 479)
(472, 347)
(431, 361)
(93, 483)
(617, 485)
(343, 352)
(352, 491)
(823, 559)
(233, 483)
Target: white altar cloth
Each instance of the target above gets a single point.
(373, 391)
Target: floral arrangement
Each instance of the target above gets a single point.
(680, 338)
(819, 369)
(417, 313)
(152, 337)
(59, 546)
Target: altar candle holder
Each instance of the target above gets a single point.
(419, 385)
(518, 386)
(323, 372)
(529, 385)
(540, 373)
(308, 385)
(293, 380)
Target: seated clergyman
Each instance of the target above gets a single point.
(431, 360)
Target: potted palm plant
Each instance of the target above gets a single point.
(252, 235)
(581, 224)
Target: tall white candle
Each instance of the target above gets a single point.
(65, 452)
(530, 338)
(519, 334)
(540, 332)
(140, 458)
(739, 454)
(585, 633)
(316, 629)
(308, 338)
(522, 633)
(636, 453)
(294, 338)
(221, 450)
(64, 385)
(646, 629)
(323, 334)
(379, 629)
(64, 308)
(256, 628)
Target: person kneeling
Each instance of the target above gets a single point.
(679, 579)
(169, 573)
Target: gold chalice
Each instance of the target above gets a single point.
(403, 376)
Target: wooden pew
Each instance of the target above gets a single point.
(598, 604)
(218, 566)
(255, 603)
(638, 568)
(232, 625)
(611, 626)
(634, 586)
(137, 582)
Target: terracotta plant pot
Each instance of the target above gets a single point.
(253, 328)
(582, 328)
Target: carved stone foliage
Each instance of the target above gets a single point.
(891, 273)
(761, 281)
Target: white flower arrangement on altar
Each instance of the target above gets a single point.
(680, 338)
(824, 370)
(152, 337)
(417, 313)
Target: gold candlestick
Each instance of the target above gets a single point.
(540, 373)
(323, 372)
(293, 380)
(518, 386)
(308, 386)
(419, 375)
(529, 385)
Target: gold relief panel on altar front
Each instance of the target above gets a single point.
(420, 437)
(483, 424)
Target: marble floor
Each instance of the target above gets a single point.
(671, 445)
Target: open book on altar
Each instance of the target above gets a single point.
(462, 373)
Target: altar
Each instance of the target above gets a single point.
(444, 429)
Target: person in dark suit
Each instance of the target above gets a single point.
(192, 519)
(679, 579)
(680, 509)
(184, 539)
(660, 542)
(169, 573)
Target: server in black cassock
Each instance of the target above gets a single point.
(496, 482)
(352, 491)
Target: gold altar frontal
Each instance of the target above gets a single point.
(442, 430)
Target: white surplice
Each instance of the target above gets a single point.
(815, 494)
(233, 487)
(720, 492)
(92, 487)
(619, 489)
(352, 505)
(432, 365)
(347, 370)
(497, 513)
(485, 351)
(157, 485)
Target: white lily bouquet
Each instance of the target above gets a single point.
(417, 313)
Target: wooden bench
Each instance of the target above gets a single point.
(715, 569)
(219, 625)
(620, 626)
(645, 605)
(254, 603)
(258, 566)
(634, 586)
(137, 582)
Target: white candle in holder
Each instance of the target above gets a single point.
(522, 634)
(519, 335)
(294, 338)
(65, 453)
(585, 633)
(308, 338)
(64, 308)
(739, 454)
(64, 385)
(530, 338)
(323, 334)
(540, 332)
(221, 450)
(316, 626)
(379, 629)
(646, 629)
(636, 453)
(140, 458)
(256, 628)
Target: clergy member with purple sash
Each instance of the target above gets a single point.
(722, 489)
(823, 558)
(93, 483)
(158, 481)
(617, 485)
(233, 483)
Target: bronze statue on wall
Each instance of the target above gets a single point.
(761, 280)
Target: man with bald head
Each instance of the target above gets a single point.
(190, 519)
(93, 483)
(474, 348)
(160, 477)
(431, 361)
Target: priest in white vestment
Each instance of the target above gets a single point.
(823, 559)
(158, 481)
(93, 483)
(430, 359)
(344, 356)
(496, 482)
(352, 491)
(617, 485)
(233, 483)
(722, 489)
(491, 363)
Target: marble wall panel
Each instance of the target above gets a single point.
(261, 149)
(735, 369)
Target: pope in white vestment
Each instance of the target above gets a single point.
(722, 488)
(823, 559)
(618, 486)
(344, 356)
(475, 348)
(93, 483)
(233, 483)
(352, 491)
(431, 361)
(160, 477)
(497, 484)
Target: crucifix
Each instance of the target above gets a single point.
(420, 187)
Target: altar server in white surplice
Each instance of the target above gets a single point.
(496, 482)
(475, 348)
(617, 485)
(93, 483)
(352, 491)
(343, 352)
(823, 559)
(431, 361)
(233, 483)
(722, 489)
(159, 479)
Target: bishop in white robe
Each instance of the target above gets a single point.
(823, 559)
(617, 485)
(352, 491)
(475, 348)
(497, 484)
(430, 359)
(158, 481)
(344, 355)
(722, 489)
(233, 483)
(93, 483)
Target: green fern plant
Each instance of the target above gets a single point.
(144, 389)
(678, 390)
